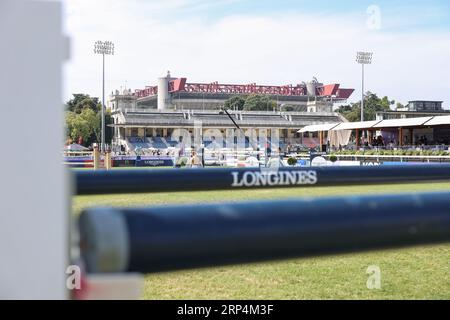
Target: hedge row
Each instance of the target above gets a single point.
(394, 153)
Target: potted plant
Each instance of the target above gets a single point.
(292, 161)
(333, 158)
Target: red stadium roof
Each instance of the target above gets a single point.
(181, 85)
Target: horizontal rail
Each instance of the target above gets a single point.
(168, 180)
(215, 112)
(179, 237)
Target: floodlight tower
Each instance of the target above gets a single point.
(103, 48)
(363, 58)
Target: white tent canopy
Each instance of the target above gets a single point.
(75, 147)
(356, 125)
(318, 127)
(439, 120)
(379, 124)
(398, 123)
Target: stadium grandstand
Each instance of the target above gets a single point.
(147, 119)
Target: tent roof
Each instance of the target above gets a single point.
(318, 127)
(380, 124)
(438, 120)
(407, 122)
(75, 147)
(356, 125)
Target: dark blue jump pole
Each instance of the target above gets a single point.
(167, 180)
(179, 237)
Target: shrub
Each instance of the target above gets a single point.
(292, 161)
(333, 158)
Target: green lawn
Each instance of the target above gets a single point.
(412, 273)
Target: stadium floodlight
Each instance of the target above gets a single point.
(363, 58)
(103, 48)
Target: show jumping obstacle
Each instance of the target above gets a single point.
(176, 237)
(169, 180)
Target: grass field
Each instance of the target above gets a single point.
(412, 273)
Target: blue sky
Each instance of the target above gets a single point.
(325, 6)
(267, 42)
(432, 14)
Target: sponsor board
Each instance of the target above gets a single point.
(371, 163)
(274, 178)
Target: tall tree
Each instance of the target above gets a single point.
(80, 101)
(78, 128)
(399, 106)
(252, 102)
(235, 103)
(94, 122)
(372, 105)
(258, 102)
(83, 120)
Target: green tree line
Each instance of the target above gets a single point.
(252, 102)
(372, 105)
(83, 120)
(352, 112)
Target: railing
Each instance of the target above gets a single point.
(77, 153)
(211, 122)
(295, 113)
(222, 179)
(436, 147)
(79, 159)
(399, 157)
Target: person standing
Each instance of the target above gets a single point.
(194, 161)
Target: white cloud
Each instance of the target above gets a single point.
(275, 49)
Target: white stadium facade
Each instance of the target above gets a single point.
(153, 117)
